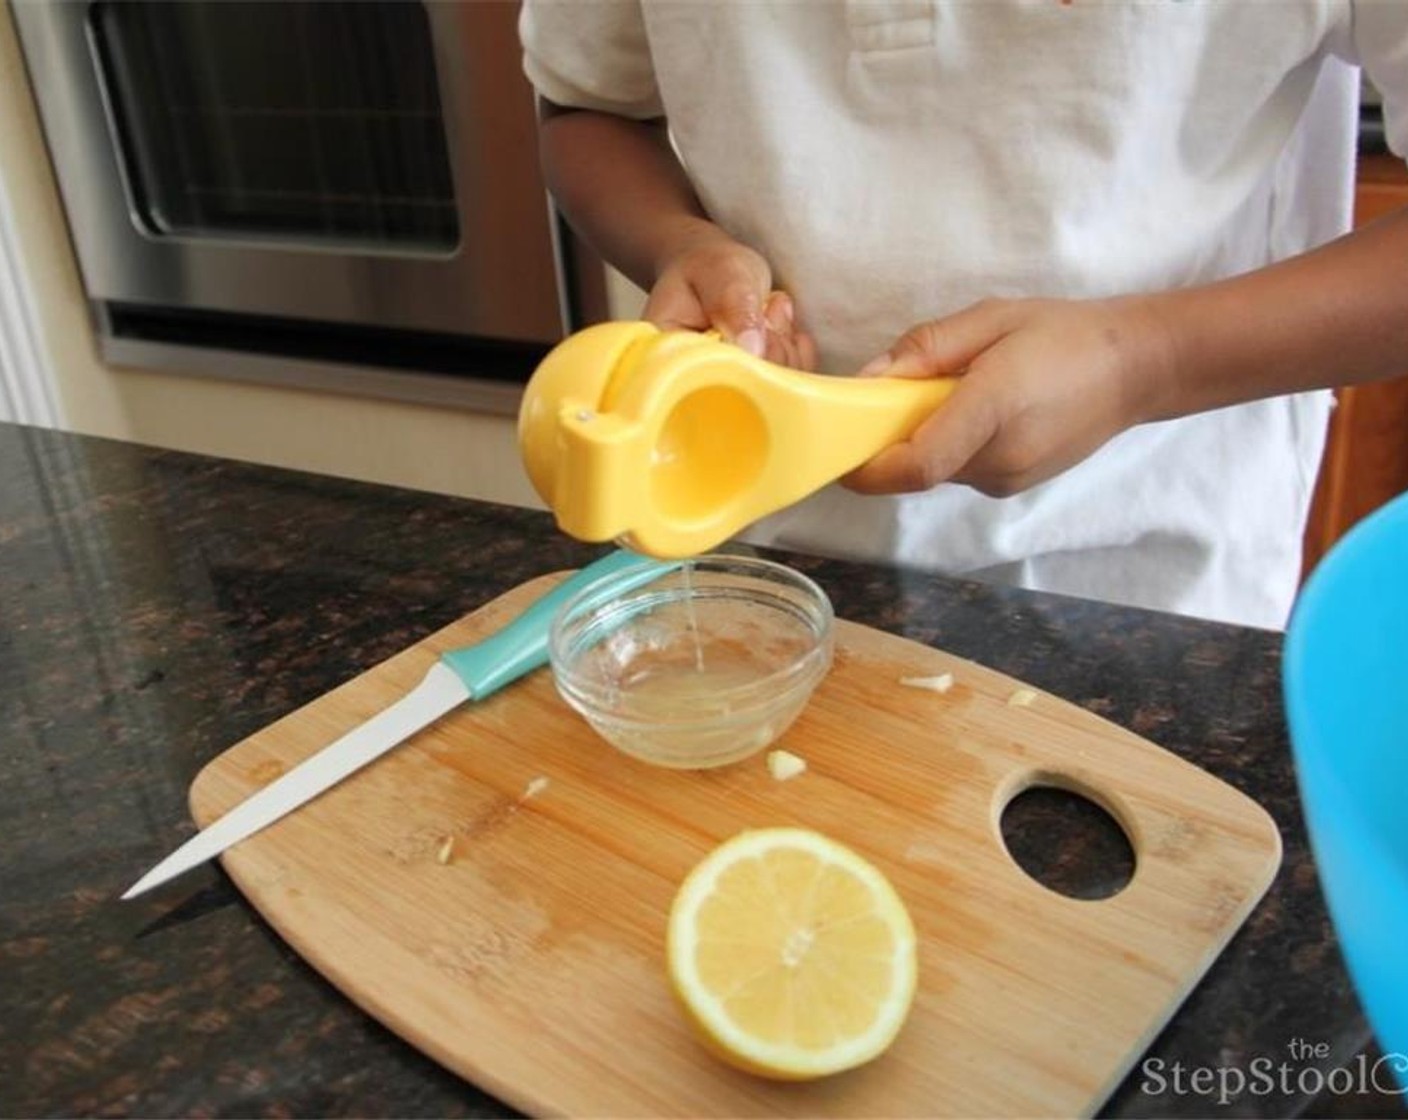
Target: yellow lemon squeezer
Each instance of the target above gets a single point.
(670, 442)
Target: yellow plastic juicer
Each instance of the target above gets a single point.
(670, 442)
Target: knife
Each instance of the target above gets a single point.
(469, 673)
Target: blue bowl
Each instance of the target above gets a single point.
(1345, 676)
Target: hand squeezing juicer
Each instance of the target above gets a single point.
(672, 441)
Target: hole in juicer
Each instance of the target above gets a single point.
(712, 447)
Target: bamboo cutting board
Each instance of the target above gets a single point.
(528, 954)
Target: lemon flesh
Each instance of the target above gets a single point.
(793, 957)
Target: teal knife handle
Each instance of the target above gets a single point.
(522, 645)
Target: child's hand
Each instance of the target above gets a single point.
(1044, 384)
(720, 284)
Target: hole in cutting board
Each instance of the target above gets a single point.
(1067, 843)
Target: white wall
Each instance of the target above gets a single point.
(440, 449)
(26, 388)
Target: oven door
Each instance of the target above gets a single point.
(369, 163)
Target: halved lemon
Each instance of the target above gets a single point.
(793, 957)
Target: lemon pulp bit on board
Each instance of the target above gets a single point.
(784, 765)
(941, 683)
(792, 956)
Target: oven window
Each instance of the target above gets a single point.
(288, 119)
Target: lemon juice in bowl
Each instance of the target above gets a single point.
(699, 668)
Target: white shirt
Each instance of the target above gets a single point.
(897, 160)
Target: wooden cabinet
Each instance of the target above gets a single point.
(1366, 457)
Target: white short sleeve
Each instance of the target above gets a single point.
(1381, 43)
(592, 55)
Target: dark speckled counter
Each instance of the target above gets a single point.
(156, 608)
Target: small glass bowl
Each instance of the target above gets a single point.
(703, 666)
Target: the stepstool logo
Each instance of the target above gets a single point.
(1302, 1072)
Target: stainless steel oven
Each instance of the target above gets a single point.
(313, 192)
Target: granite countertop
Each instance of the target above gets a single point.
(159, 607)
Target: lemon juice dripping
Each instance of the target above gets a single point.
(692, 616)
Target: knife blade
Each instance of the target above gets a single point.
(470, 673)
